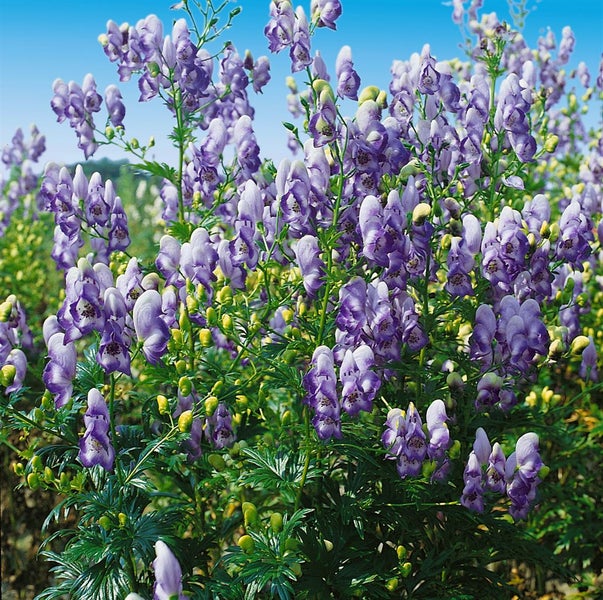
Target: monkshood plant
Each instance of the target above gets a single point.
(339, 376)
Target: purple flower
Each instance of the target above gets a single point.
(393, 436)
(522, 472)
(279, 29)
(113, 350)
(300, 48)
(348, 80)
(325, 12)
(219, 428)
(198, 259)
(150, 327)
(439, 436)
(168, 574)
(95, 445)
(495, 471)
(320, 384)
(588, 364)
(473, 492)
(575, 235)
(360, 384)
(115, 106)
(168, 260)
(59, 372)
(323, 123)
(307, 254)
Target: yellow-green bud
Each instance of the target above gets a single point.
(368, 93)
(48, 475)
(109, 132)
(134, 143)
(47, 402)
(246, 544)
(402, 552)
(242, 402)
(180, 366)
(227, 324)
(550, 144)
(217, 462)
(556, 348)
(328, 545)
(163, 404)
(211, 316)
(250, 513)
(205, 337)
(320, 86)
(64, 481)
(405, 569)
(224, 296)
(185, 386)
(177, 338)
(105, 522)
(287, 315)
(19, 469)
(455, 450)
(153, 68)
(412, 167)
(579, 343)
(36, 463)
(33, 481)
(286, 418)
(420, 212)
(392, 584)
(123, 519)
(211, 403)
(544, 471)
(192, 304)
(276, 522)
(7, 375)
(185, 421)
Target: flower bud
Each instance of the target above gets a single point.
(550, 144)
(185, 386)
(185, 421)
(7, 375)
(123, 519)
(105, 522)
(392, 584)
(250, 513)
(217, 462)
(109, 132)
(19, 469)
(205, 337)
(163, 405)
(211, 403)
(579, 343)
(276, 522)
(211, 316)
(36, 463)
(154, 69)
(420, 212)
(227, 324)
(402, 553)
(368, 93)
(287, 315)
(321, 86)
(246, 544)
(405, 569)
(328, 545)
(33, 481)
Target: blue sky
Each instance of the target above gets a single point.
(44, 40)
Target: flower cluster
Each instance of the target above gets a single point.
(77, 105)
(517, 475)
(80, 204)
(405, 440)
